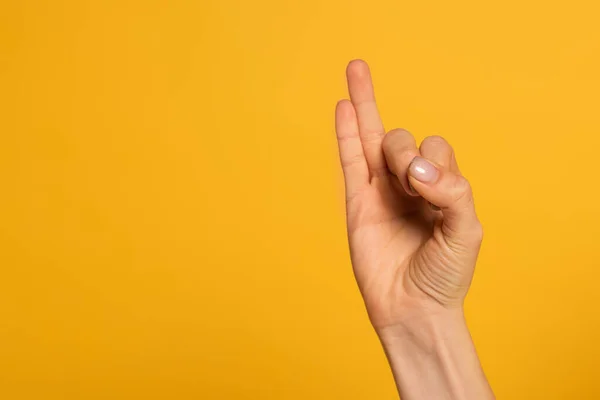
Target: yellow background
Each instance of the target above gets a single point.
(172, 223)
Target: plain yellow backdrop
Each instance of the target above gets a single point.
(172, 222)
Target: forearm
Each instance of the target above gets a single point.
(433, 357)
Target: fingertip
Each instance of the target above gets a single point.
(357, 68)
(344, 108)
(342, 103)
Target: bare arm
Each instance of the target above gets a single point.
(414, 239)
(434, 358)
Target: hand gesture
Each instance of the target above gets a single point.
(413, 233)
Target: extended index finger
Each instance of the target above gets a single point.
(362, 95)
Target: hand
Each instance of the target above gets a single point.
(413, 252)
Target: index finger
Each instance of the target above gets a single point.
(362, 95)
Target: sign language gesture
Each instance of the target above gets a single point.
(413, 233)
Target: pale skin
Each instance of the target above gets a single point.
(414, 239)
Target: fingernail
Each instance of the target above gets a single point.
(422, 170)
(434, 207)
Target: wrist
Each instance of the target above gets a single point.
(432, 356)
(424, 328)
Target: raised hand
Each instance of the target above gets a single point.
(413, 233)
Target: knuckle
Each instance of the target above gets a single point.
(435, 140)
(371, 136)
(347, 138)
(394, 134)
(348, 162)
(399, 131)
(387, 139)
(462, 190)
(436, 143)
(398, 138)
(477, 231)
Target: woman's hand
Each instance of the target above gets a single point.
(412, 251)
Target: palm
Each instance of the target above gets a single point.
(398, 244)
(386, 230)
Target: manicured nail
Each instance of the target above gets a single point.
(422, 170)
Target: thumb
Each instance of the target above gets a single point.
(452, 193)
